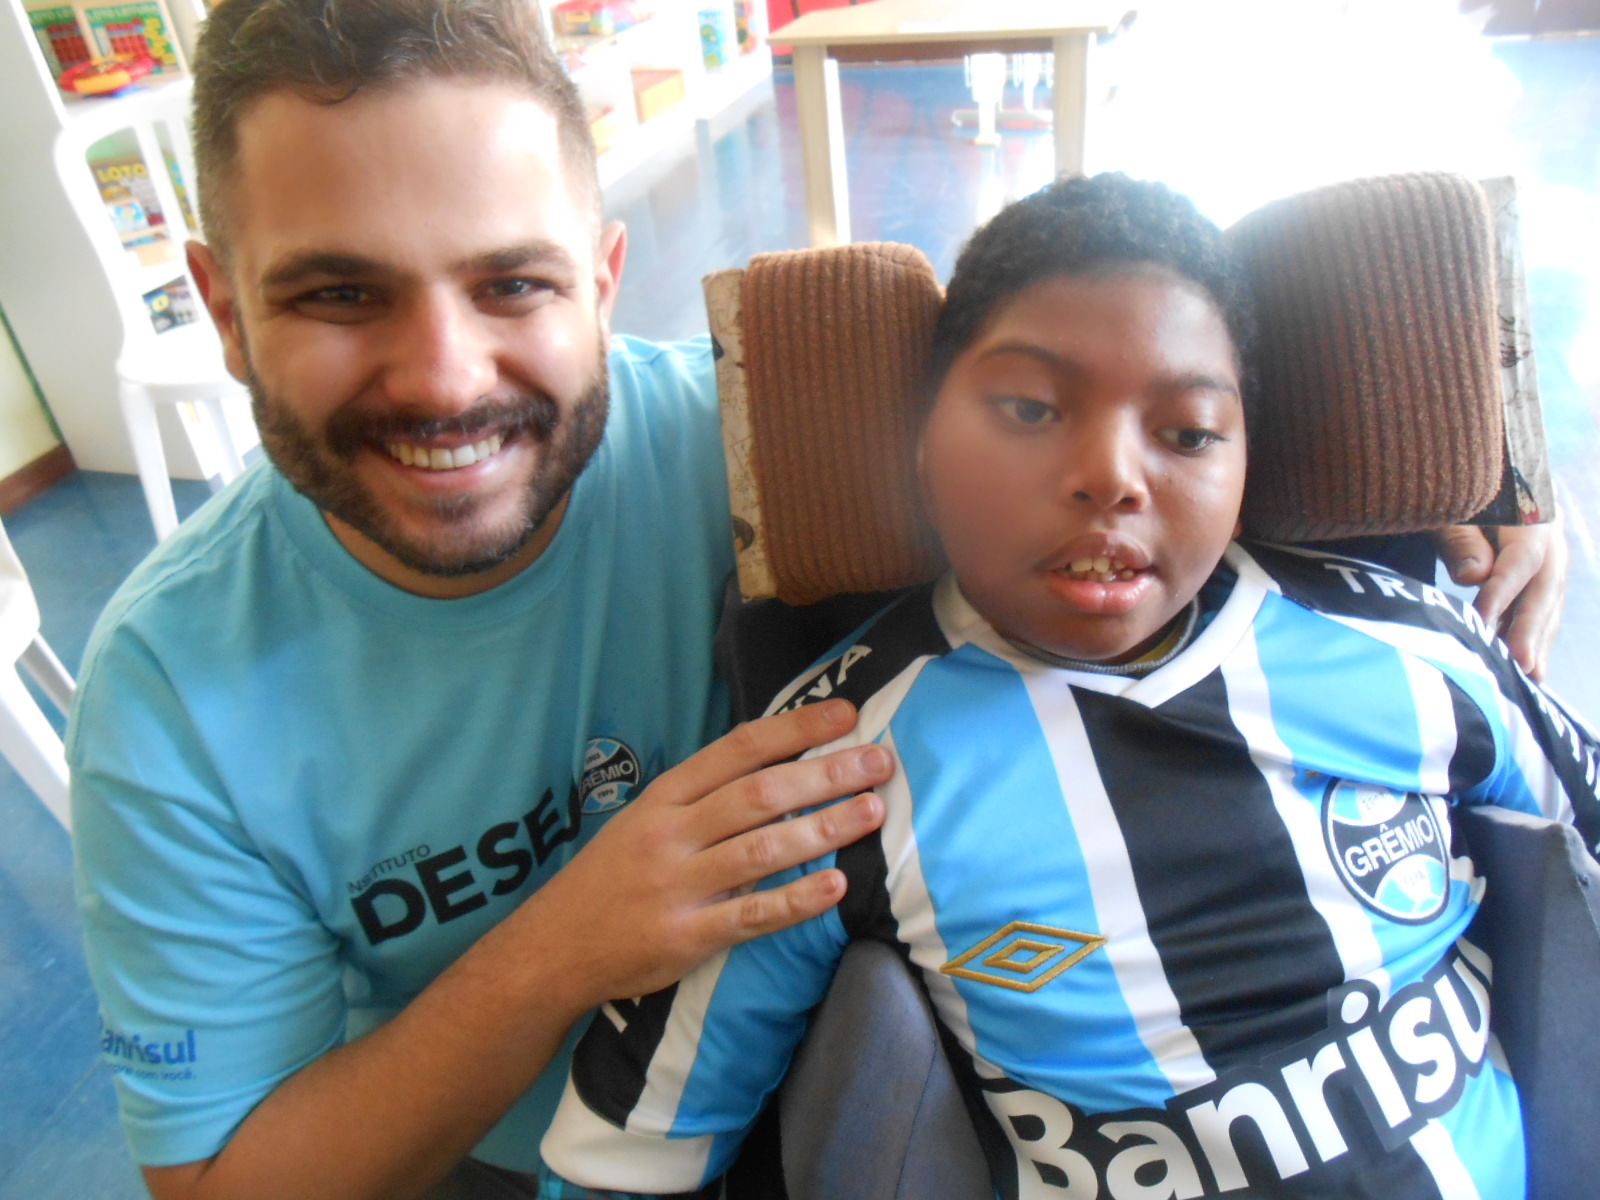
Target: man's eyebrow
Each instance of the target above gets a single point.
(297, 268)
(1186, 381)
(541, 252)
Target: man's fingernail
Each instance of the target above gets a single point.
(873, 759)
(835, 710)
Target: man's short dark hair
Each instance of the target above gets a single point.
(328, 50)
(1082, 226)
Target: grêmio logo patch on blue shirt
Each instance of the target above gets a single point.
(1389, 849)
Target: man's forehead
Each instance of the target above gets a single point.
(429, 157)
(502, 116)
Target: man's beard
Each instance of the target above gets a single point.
(321, 469)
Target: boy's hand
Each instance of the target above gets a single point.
(659, 889)
(1521, 575)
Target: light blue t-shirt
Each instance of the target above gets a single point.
(300, 793)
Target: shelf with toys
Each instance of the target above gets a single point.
(648, 69)
(52, 286)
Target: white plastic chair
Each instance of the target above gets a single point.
(182, 365)
(27, 739)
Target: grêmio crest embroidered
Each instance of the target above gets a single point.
(1390, 848)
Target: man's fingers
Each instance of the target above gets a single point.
(752, 856)
(1535, 615)
(744, 917)
(1466, 553)
(753, 745)
(775, 792)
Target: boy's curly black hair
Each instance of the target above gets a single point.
(1079, 226)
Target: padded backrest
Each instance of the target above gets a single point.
(819, 356)
(1378, 408)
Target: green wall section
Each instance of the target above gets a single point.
(26, 428)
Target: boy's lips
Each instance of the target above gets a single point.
(1102, 574)
(1096, 595)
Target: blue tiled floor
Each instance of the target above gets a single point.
(913, 178)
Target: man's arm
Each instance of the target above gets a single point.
(658, 890)
(1520, 572)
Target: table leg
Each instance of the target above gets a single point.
(816, 94)
(1073, 52)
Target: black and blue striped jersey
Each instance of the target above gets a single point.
(1195, 934)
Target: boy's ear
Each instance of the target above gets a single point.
(216, 291)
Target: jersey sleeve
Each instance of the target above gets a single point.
(1548, 758)
(215, 978)
(664, 1088)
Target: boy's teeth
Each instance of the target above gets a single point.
(440, 459)
(1100, 568)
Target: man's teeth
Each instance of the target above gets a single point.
(437, 458)
(1100, 569)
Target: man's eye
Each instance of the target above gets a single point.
(516, 289)
(1025, 411)
(345, 294)
(1190, 441)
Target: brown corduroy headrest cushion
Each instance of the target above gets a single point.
(1377, 406)
(835, 344)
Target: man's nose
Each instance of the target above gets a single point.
(1106, 465)
(441, 357)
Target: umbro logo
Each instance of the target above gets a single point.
(1023, 956)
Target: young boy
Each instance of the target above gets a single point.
(1169, 843)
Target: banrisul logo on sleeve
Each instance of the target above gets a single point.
(610, 775)
(1390, 848)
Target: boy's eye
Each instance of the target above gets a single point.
(1190, 441)
(1025, 411)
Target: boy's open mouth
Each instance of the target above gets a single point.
(1099, 569)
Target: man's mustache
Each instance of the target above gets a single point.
(533, 413)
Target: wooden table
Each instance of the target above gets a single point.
(898, 30)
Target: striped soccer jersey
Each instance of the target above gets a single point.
(1195, 934)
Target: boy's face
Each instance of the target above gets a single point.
(1084, 460)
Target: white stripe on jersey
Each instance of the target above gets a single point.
(1437, 1151)
(578, 1139)
(912, 907)
(1438, 735)
(1436, 728)
(675, 1054)
(1250, 709)
(1436, 646)
(1149, 997)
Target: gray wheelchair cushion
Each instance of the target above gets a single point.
(1540, 922)
(871, 1110)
